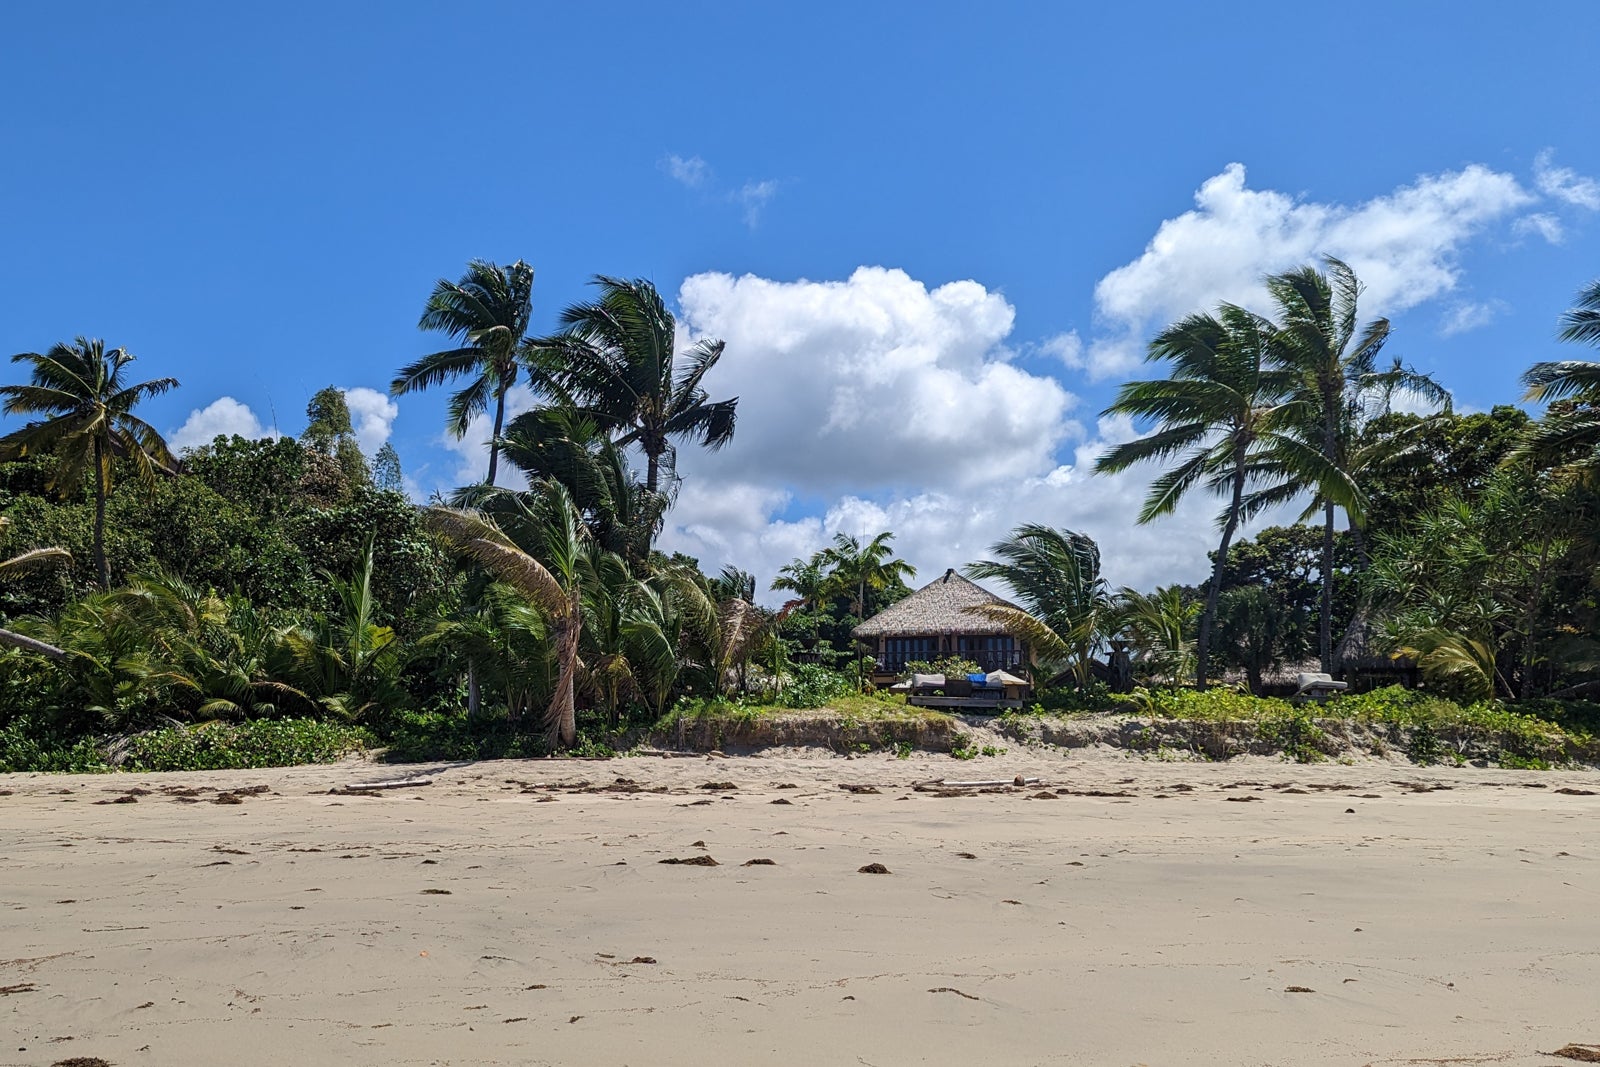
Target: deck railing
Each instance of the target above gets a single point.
(1009, 659)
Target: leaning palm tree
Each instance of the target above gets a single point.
(1570, 429)
(88, 420)
(16, 567)
(1318, 340)
(1067, 608)
(487, 312)
(1225, 417)
(617, 359)
(548, 572)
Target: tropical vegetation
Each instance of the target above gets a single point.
(281, 598)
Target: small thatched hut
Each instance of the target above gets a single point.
(934, 622)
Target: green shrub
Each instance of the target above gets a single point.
(424, 736)
(28, 744)
(812, 685)
(234, 746)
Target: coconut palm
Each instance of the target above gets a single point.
(487, 312)
(87, 406)
(1318, 340)
(1225, 417)
(568, 445)
(1067, 609)
(545, 564)
(347, 660)
(1570, 429)
(856, 570)
(617, 359)
(1159, 626)
(807, 579)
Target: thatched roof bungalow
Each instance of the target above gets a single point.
(935, 622)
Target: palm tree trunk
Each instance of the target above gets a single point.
(652, 470)
(562, 717)
(499, 422)
(100, 516)
(1214, 592)
(474, 692)
(1325, 623)
(28, 644)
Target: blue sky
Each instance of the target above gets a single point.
(258, 199)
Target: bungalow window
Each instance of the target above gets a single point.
(903, 648)
(997, 643)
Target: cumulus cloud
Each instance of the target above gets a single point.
(1403, 245)
(372, 416)
(872, 382)
(225, 416)
(939, 526)
(879, 403)
(693, 172)
(1067, 347)
(1564, 183)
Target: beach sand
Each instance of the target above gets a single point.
(1253, 912)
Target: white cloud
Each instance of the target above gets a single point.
(1564, 183)
(692, 172)
(372, 416)
(877, 403)
(225, 416)
(1469, 315)
(753, 197)
(1067, 347)
(1542, 223)
(1403, 246)
(872, 382)
(938, 527)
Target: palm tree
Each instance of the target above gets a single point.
(806, 578)
(1224, 415)
(487, 312)
(347, 660)
(87, 406)
(1158, 624)
(568, 446)
(1067, 607)
(1570, 429)
(856, 569)
(616, 358)
(548, 572)
(1317, 340)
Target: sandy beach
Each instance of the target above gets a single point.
(1118, 911)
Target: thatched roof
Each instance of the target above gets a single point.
(940, 607)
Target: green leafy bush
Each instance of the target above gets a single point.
(419, 737)
(28, 744)
(256, 743)
(812, 686)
